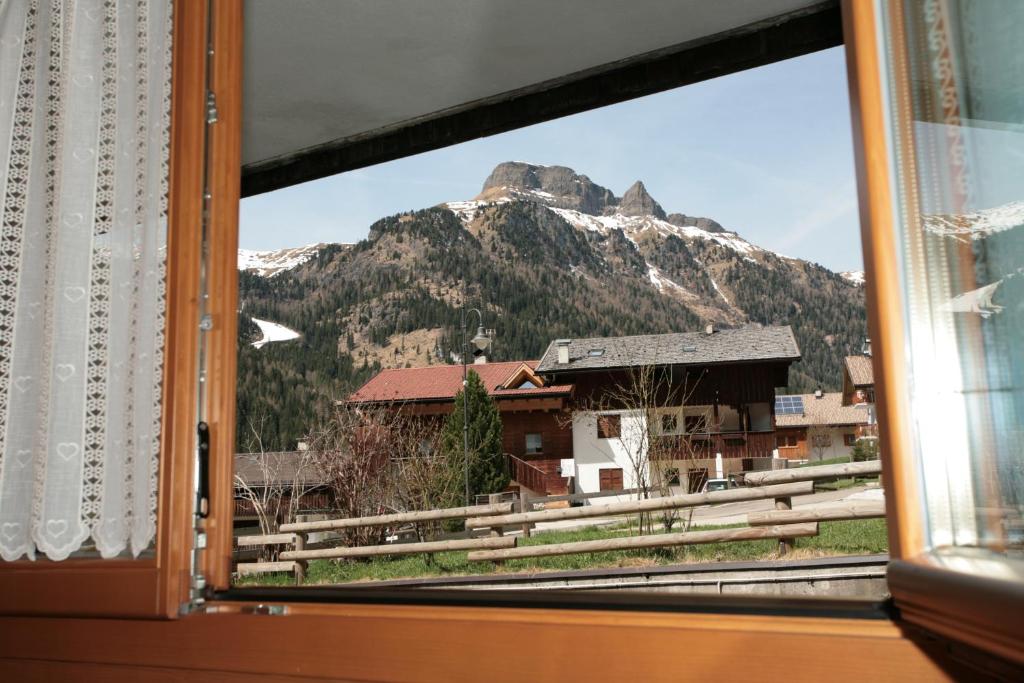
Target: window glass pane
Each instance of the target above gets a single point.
(959, 140)
(650, 339)
(534, 443)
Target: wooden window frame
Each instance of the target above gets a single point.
(949, 593)
(157, 586)
(233, 636)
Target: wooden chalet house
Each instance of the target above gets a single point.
(537, 435)
(711, 391)
(827, 425)
(819, 426)
(273, 478)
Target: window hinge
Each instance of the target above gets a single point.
(211, 107)
(268, 610)
(196, 596)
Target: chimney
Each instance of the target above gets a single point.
(818, 393)
(479, 357)
(563, 351)
(709, 329)
(865, 348)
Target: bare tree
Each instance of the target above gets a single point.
(351, 453)
(379, 459)
(276, 482)
(659, 444)
(820, 440)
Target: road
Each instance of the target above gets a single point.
(731, 513)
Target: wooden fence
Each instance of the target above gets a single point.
(783, 523)
(296, 534)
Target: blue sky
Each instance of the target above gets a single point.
(766, 152)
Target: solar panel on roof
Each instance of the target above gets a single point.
(789, 405)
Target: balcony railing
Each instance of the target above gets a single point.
(729, 444)
(525, 474)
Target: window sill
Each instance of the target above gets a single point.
(965, 594)
(444, 642)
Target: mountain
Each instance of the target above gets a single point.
(270, 263)
(545, 253)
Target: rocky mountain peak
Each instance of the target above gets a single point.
(695, 222)
(638, 202)
(559, 186)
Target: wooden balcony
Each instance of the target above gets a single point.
(729, 444)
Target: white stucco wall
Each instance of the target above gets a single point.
(836, 449)
(593, 454)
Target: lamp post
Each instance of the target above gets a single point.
(481, 340)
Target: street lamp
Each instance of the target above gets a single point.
(481, 341)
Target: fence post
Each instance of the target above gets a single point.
(524, 506)
(300, 565)
(785, 544)
(496, 530)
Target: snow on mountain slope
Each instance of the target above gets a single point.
(270, 263)
(634, 226)
(854, 277)
(664, 284)
(272, 332)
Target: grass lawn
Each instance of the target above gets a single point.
(835, 538)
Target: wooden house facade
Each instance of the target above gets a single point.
(536, 427)
(701, 403)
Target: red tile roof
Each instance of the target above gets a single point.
(440, 382)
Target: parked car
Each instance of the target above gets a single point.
(718, 485)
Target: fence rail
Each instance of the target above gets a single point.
(646, 505)
(296, 534)
(650, 541)
(843, 469)
(783, 523)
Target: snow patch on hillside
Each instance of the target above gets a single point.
(270, 263)
(466, 210)
(664, 284)
(854, 277)
(272, 332)
(633, 226)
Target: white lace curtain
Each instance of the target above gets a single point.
(84, 121)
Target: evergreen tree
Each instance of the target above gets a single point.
(487, 473)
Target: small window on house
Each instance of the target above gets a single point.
(786, 441)
(595, 352)
(609, 426)
(849, 439)
(525, 385)
(696, 424)
(672, 476)
(610, 479)
(534, 443)
(669, 424)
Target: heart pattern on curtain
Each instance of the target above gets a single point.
(84, 140)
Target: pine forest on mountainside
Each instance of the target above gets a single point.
(544, 253)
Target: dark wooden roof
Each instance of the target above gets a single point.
(279, 467)
(740, 345)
